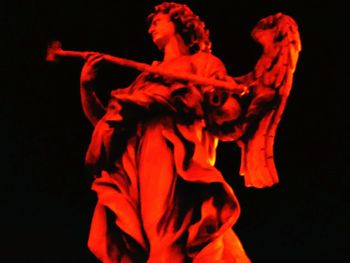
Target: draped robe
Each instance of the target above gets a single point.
(160, 197)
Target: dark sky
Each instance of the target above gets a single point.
(47, 199)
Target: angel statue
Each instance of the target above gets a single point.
(152, 152)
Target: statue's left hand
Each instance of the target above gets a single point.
(88, 72)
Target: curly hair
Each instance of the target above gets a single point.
(187, 24)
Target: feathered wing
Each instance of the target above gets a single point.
(269, 83)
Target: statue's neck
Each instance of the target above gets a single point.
(175, 48)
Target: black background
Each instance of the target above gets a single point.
(47, 201)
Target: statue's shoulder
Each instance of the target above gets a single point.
(205, 57)
(206, 63)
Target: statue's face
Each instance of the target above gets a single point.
(162, 29)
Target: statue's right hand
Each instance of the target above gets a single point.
(88, 72)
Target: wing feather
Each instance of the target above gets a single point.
(269, 83)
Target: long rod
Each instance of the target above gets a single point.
(54, 51)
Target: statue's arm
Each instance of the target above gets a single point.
(91, 104)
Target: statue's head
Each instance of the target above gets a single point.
(180, 18)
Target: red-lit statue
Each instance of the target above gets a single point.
(152, 153)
